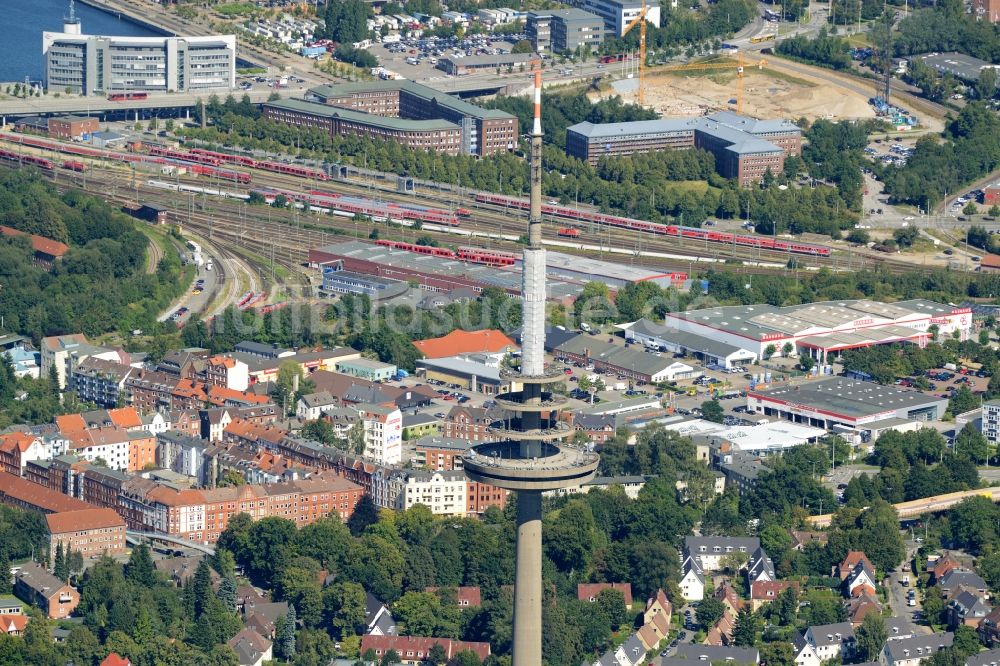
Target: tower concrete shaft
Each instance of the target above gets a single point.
(528, 581)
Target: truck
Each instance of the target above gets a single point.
(585, 327)
(401, 374)
(950, 366)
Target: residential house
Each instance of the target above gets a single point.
(823, 642)
(469, 423)
(801, 539)
(657, 605)
(251, 648)
(987, 658)
(766, 591)
(378, 619)
(654, 631)
(632, 652)
(17, 449)
(911, 651)
(589, 591)
(989, 628)
(457, 342)
(760, 567)
(181, 569)
(36, 586)
(61, 353)
(598, 428)
(967, 608)
(850, 561)
(692, 583)
(13, 625)
(465, 596)
(938, 567)
(10, 605)
(710, 550)
(114, 659)
(721, 633)
(729, 597)
(899, 628)
(263, 617)
(311, 406)
(860, 606)
(227, 373)
(860, 580)
(416, 649)
(956, 578)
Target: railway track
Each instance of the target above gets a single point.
(491, 223)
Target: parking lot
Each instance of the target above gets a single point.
(425, 53)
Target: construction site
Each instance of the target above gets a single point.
(766, 94)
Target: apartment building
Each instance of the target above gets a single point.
(90, 532)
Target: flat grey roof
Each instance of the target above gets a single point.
(741, 131)
(572, 14)
(327, 111)
(495, 277)
(412, 88)
(849, 397)
(961, 65)
(492, 60)
(462, 368)
(574, 265)
(689, 341)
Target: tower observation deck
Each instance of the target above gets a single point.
(531, 456)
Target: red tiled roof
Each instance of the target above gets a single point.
(125, 417)
(39, 244)
(421, 645)
(465, 342)
(770, 589)
(20, 441)
(13, 624)
(83, 519)
(114, 660)
(218, 395)
(990, 261)
(584, 591)
(70, 423)
(40, 497)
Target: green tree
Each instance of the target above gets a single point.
(523, 46)
(611, 603)
(284, 640)
(970, 208)
(788, 606)
(59, 569)
(994, 211)
(289, 377)
(871, 637)
(770, 351)
(6, 584)
(747, 629)
(966, 642)
(140, 567)
(709, 611)
(365, 514)
(417, 611)
(437, 655)
(711, 410)
(570, 536)
(227, 593)
(971, 443)
(344, 606)
(963, 400)
(356, 439)
(987, 85)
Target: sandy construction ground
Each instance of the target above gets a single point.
(765, 96)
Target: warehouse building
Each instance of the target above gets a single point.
(337, 281)
(627, 363)
(837, 401)
(482, 131)
(99, 65)
(666, 338)
(561, 30)
(489, 63)
(367, 368)
(469, 375)
(428, 272)
(823, 330)
(744, 148)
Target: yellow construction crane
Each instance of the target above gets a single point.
(641, 20)
(727, 64)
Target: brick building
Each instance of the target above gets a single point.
(744, 148)
(89, 532)
(36, 586)
(72, 127)
(469, 423)
(480, 131)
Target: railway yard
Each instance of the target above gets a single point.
(263, 249)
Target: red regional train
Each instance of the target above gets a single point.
(127, 96)
(95, 153)
(33, 160)
(765, 242)
(474, 255)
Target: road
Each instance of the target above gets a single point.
(914, 508)
(897, 595)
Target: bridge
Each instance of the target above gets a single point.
(41, 106)
(135, 537)
(915, 508)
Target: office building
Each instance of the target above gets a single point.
(562, 30)
(744, 148)
(400, 107)
(100, 65)
(617, 14)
